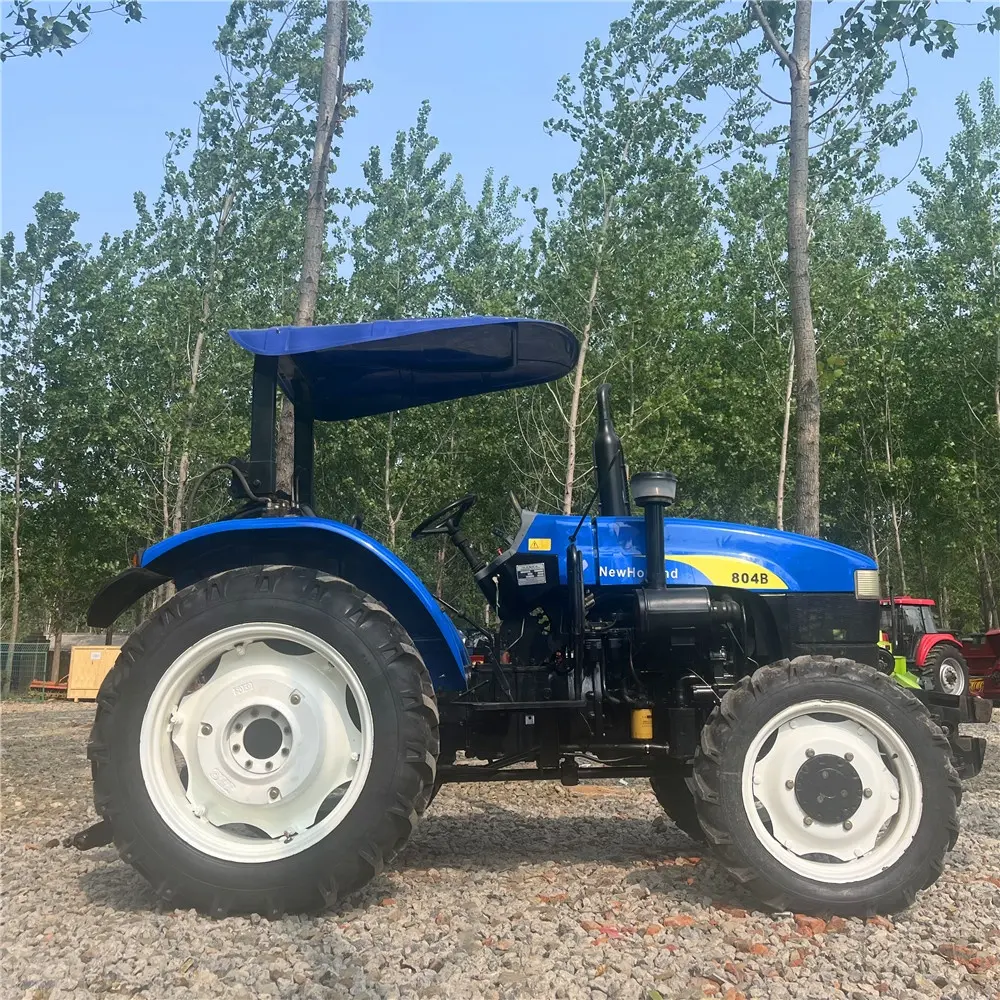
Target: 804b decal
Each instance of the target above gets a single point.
(760, 577)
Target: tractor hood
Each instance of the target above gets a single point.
(367, 368)
(702, 553)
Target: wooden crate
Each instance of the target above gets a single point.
(88, 666)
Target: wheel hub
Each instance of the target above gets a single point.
(260, 739)
(951, 677)
(265, 734)
(828, 788)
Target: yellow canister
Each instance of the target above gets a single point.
(642, 723)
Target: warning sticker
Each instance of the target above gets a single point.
(539, 544)
(530, 573)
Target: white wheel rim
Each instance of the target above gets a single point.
(876, 835)
(951, 676)
(267, 740)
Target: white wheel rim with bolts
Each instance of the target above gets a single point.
(275, 756)
(951, 676)
(874, 758)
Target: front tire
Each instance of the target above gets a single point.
(823, 785)
(265, 743)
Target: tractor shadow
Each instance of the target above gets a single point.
(114, 884)
(117, 886)
(621, 850)
(459, 837)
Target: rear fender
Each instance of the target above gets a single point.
(312, 542)
(929, 641)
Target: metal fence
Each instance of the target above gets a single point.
(31, 662)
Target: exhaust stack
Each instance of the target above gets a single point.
(609, 461)
(654, 492)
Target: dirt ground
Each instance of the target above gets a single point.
(505, 891)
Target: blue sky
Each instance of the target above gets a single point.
(91, 123)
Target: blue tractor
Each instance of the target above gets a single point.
(271, 735)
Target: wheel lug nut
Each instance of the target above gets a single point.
(288, 730)
(810, 752)
(238, 727)
(206, 729)
(254, 713)
(848, 756)
(236, 748)
(295, 698)
(355, 756)
(249, 764)
(867, 793)
(284, 751)
(808, 821)
(268, 766)
(274, 714)
(848, 825)
(789, 784)
(273, 793)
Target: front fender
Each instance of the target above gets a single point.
(313, 542)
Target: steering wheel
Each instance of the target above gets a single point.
(446, 520)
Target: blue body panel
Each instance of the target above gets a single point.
(366, 368)
(448, 673)
(706, 553)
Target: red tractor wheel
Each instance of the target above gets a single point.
(945, 670)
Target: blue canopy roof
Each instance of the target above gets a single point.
(365, 368)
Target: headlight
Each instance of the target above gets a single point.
(866, 585)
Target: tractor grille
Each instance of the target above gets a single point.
(831, 619)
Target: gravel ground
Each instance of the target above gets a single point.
(506, 891)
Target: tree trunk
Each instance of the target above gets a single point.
(15, 566)
(872, 541)
(56, 655)
(989, 594)
(783, 460)
(924, 581)
(184, 466)
(996, 374)
(899, 545)
(807, 401)
(893, 509)
(387, 485)
(574, 408)
(440, 557)
(996, 383)
(314, 236)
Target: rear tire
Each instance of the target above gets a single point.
(670, 786)
(347, 782)
(945, 670)
(778, 782)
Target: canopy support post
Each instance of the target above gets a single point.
(263, 411)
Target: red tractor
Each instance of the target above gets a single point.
(910, 630)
